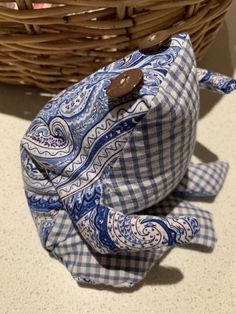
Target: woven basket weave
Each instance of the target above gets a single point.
(56, 46)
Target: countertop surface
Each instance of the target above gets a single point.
(185, 281)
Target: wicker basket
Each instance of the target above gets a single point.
(54, 47)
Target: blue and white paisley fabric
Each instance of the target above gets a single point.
(90, 164)
(215, 81)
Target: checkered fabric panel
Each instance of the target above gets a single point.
(157, 154)
(61, 230)
(120, 270)
(203, 180)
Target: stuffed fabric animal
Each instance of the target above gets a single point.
(105, 178)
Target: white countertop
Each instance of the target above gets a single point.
(186, 281)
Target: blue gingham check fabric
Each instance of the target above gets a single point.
(106, 179)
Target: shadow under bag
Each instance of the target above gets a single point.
(105, 178)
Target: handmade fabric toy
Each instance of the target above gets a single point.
(106, 165)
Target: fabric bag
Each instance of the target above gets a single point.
(105, 178)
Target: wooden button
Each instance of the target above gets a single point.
(125, 83)
(154, 41)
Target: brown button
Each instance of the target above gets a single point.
(154, 41)
(125, 83)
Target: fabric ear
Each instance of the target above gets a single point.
(215, 81)
(203, 179)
